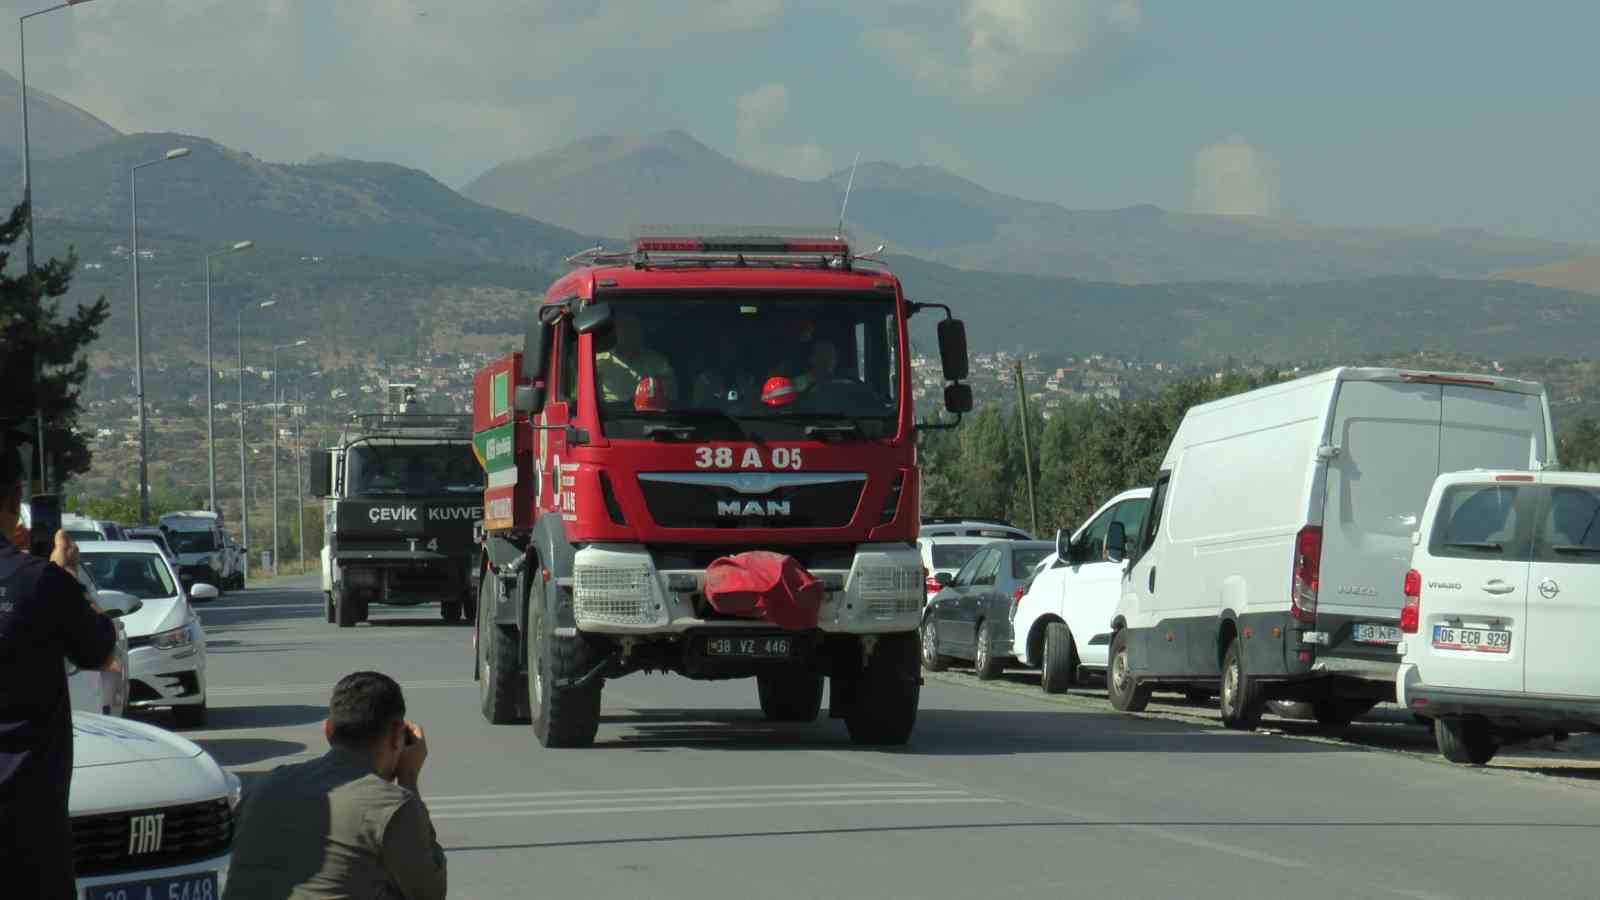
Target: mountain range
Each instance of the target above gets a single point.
(613, 185)
(384, 260)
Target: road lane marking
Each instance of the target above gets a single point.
(321, 688)
(206, 609)
(692, 796)
(640, 792)
(699, 807)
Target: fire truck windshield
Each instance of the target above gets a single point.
(732, 365)
(380, 467)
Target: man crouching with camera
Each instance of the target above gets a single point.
(350, 824)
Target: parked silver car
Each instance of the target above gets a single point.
(970, 617)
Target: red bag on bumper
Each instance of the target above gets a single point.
(764, 585)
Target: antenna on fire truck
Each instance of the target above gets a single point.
(839, 232)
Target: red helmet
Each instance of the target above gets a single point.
(648, 396)
(778, 391)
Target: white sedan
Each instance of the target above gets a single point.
(96, 690)
(166, 644)
(152, 813)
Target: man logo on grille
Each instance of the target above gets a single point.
(144, 834)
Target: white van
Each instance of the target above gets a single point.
(1500, 601)
(1271, 563)
(199, 543)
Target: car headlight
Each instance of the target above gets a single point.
(172, 639)
(235, 791)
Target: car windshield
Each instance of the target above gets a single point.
(143, 575)
(191, 541)
(389, 468)
(953, 556)
(778, 366)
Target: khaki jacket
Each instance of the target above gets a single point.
(333, 828)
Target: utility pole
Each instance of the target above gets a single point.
(1027, 449)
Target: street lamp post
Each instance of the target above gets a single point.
(211, 404)
(276, 403)
(27, 204)
(299, 464)
(244, 466)
(138, 331)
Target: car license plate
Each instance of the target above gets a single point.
(1478, 640)
(196, 886)
(1366, 633)
(758, 647)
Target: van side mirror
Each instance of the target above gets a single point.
(944, 579)
(1063, 546)
(958, 398)
(953, 349)
(528, 399)
(1117, 542)
(321, 473)
(592, 318)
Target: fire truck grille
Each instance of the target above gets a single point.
(823, 500)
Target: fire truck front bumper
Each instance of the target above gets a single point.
(617, 589)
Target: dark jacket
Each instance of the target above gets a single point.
(45, 617)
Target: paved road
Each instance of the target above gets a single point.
(1003, 793)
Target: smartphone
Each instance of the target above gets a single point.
(45, 512)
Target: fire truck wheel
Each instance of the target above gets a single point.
(886, 692)
(564, 714)
(347, 609)
(500, 685)
(790, 696)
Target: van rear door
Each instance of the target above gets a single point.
(1395, 436)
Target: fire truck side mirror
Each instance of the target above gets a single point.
(592, 318)
(958, 398)
(953, 349)
(528, 399)
(321, 473)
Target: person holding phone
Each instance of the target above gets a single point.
(351, 824)
(44, 616)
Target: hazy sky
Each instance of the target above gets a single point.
(1458, 113)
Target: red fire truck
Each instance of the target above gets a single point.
(703, 462)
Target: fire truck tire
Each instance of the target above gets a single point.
(563, 715)
(501, 689)
(347, 609)
(790, 696)
(886, 692)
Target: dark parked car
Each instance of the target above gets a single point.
(970, 617)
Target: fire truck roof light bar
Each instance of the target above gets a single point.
(764, 246)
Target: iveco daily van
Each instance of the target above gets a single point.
(1272, 561)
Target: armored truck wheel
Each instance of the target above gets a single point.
(564, 714)
(347, 609)
(790, 696)
(886, 692)
(502, 692)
